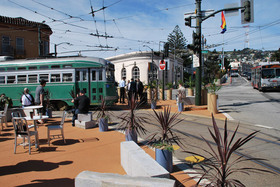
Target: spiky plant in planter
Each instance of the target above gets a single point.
(133, 122)
(164, 138)
(103, 116)
(219, 166)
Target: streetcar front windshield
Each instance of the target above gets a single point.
(110, 71)
(268, 73)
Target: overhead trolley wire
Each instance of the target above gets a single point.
(70, 16)
(53, 20)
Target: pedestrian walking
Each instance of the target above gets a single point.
(40, 95)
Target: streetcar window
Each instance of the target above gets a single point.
(55, 78)
(84, 75)
(11, 69)
(44, 67)
(32, 79)
(277, 73)
(93, 90)
(67, 77)
(109, 75)
(100, 90)
(32, 67)
(2, 69)
(94, 97)
(21, 79)
(44, 76)
(100, 76)
(93, 75)
(21, 68)
(67, 66)
(2, 79)
(11, 80)
(55, 67)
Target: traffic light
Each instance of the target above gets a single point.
(188, 21)
(247, 11)
(195, 46)
(166, 49)
(196, 42)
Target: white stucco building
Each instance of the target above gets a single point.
(139, 65)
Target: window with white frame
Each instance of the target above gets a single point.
(135, 73)
(123, 73)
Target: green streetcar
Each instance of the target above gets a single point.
(64, 76)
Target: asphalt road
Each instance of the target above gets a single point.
(249, 106)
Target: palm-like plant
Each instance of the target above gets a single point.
(165, 136)
(220, 166)
(103, 115)
(132, 121)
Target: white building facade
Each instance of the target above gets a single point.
(139, 65)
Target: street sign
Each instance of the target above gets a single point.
(162, 65)
(195, 61)
(205, 51)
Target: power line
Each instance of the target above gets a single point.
(58, 11)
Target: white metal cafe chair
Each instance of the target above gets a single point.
(3, 115)
(22, 130)
(57, 127)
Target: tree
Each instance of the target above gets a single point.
(276, 56)
(178, 46)
(177, 41)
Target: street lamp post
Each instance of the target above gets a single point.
(152, 65)
(55, 47)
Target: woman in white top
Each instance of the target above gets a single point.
(26, 98)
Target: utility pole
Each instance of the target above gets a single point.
(198, 69)
(247, 16)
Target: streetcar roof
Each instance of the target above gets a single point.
(60, 60)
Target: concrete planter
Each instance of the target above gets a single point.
(103, 124)
(204, 93)
(131, 135)
(160, 93)
(212, 104)
(153, 104)
(149, 93)
(190, 92)
(165, 159)
(169, 94)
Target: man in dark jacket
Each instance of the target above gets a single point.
(132, 89)
(82, 103)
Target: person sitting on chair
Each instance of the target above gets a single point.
(82, 102)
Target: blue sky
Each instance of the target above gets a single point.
(134, 23)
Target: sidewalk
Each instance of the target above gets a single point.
(59, 164)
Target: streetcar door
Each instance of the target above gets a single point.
(96, 84)
(82, 81)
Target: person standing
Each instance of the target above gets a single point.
(140, 89)
(122, 90)
(132, 88)
(40, 94)
(82, 102)
(26, 99)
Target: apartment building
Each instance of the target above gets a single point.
(21, 38)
